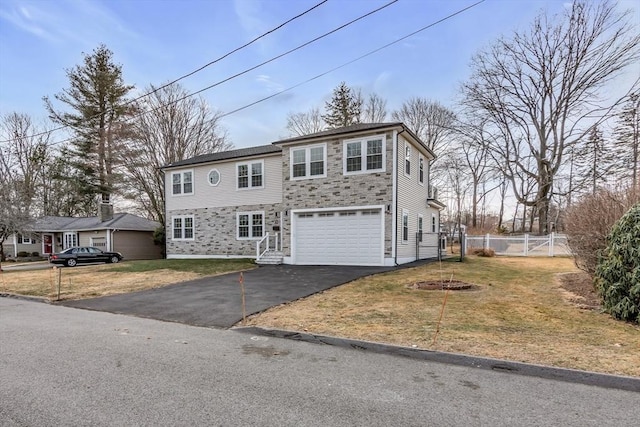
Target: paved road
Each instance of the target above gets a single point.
(66, 367)
(36, 265)
(216, 301)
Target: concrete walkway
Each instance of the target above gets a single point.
(216, 301)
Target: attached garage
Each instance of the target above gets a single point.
(338, 237)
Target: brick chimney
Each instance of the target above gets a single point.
(106, 212)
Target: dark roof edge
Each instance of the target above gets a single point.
(259, 150)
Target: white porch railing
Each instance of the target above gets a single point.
(266, 243)
(525, 245)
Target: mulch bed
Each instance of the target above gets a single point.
(452, 285)
(581, 287)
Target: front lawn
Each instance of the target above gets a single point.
(109, 279)
(518, 312)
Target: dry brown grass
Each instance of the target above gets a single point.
(520, 313)
(88, 281)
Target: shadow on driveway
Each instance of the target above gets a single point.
(216, 301)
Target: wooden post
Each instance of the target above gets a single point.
(244, 308)
(59, 281)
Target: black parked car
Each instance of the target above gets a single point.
(84, 254)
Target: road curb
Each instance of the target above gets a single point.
(518, 368)
(25, 297)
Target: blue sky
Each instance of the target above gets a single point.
(159, 40)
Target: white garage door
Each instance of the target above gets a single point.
(354, 237)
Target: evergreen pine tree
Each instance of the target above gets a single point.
(344, 108)
(594, 161)
(628, 139)
(96, 102)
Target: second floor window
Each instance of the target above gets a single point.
(308, 162)
(364, 155)
(407, 159)
(250, 175)
(182, 183)
(250, 225)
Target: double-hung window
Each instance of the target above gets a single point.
(250, 174)
(421, 170)
(70, 239)
(25, 240)
(364, 155)
(250, 225)
(308, 162)
(433, 223)
(182, 182)
(405, 226)
(407, 159)
(182, 227)
(419, 228)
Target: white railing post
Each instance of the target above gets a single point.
(551, 243)
(487, 245)
(526, 244)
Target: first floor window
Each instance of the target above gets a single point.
(433, 223)
(420, 228)
(25, 240)
(405, 226)
(70, 240)
(183, 227)
(250, 225)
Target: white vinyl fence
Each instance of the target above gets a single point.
(523, 245)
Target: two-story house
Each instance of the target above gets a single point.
(357, 195)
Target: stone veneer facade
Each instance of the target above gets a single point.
(336, 189)
(215, 231)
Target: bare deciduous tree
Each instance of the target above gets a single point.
(375, 109)
(541, 86)
(430, 120)
(299, 124)
(172, 128)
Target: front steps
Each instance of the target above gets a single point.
(271, 258)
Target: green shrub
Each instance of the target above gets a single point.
(22, 254)
(618, 272)
(484, 252)
(35, 253)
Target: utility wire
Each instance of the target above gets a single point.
(371, 52)
(185, 75)
(251, 68)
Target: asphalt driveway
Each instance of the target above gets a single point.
(216, 301)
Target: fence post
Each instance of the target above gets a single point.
(526, 244)
(487, 244)
(551, 242)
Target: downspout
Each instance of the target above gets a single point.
(394, 202)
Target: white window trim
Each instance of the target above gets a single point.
(181, 173)
(363, 154)
(405, 215)
(407, 148)
(251, 237)
(434, 223)
(420, 227)
(421, 164)
(219, 177)
(183, 217)
(22, 240)
(307, 161)
(250, 174)
(70, 235)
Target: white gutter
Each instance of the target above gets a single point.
(394, 199)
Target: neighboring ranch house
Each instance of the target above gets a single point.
(128, 234)
(357, 195)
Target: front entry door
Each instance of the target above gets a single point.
(47, 244)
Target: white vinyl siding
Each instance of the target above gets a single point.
(182, 227)
(364, 155)
(182, 183)
(308, 162)
(225, 194)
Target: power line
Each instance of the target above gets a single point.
(251, 68)
(371, 52)
(185, 75)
